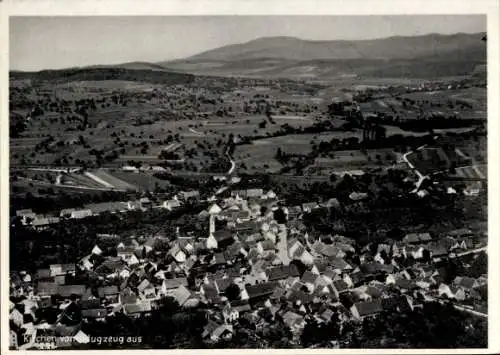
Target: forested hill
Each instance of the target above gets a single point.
(105, 73)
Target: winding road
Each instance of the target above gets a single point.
(198, 133)
(233, 166)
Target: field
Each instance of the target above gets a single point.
(262, 153)
(141, 181)
(450, 101)
(94, 180)
(475, 96)
(136, 121)
(186, 127)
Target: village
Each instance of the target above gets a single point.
(257, 263)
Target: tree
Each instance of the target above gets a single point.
(396, 234)
(320, 334)
(233, 292)
(479, 266)
(169, 305)
(279, 154)
(280, 216)
(433, 326)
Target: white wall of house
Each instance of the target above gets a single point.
(180, 257)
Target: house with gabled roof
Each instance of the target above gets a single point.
(169, 285)
(282, 272)
(56, 269)
(269, 195)
(261, 290)
(466, 282)
(98, 314)
(16, 317)
(209, 329)
(146, 290)
(222, 284)
(363, 309)
(445, 291)
(294, 321)
(113, 266)
(248, 227)
(171, 205)
(460, 233)
(415, 251)
(109, 293)
(309, 206)
(333, 275)
(294, 212)
(219, 239)
(399, 303)
(80, 214)
(254, 193)
(181, 294)
(239, 194)
(25, 215)
(70, 290)
(298, 251)
(416, 238)
(137, 309)
(230, 314)
(133, 205)
(209, 293)
(177, 253)
(358, 196)
(341, 286)
(265, 246)
(309, 280)
(43, 223)
(328, 292)
(187, 195)
(437, 250)
(359, 294)
(43, 275)
(90, 303)
(327, 250)
(66, 212)
(46, 289)
(325, 316)
(224, 331)
(127, 296)
(339, 265)
(218, 259)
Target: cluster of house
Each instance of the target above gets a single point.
(247, 266)
(40, 222)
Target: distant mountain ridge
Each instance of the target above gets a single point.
(397, 47)
(417, 56)
(428, 56)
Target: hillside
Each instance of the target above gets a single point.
(126, 72)
(426, 56)
(387, 48)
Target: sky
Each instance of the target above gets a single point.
(38, 43)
